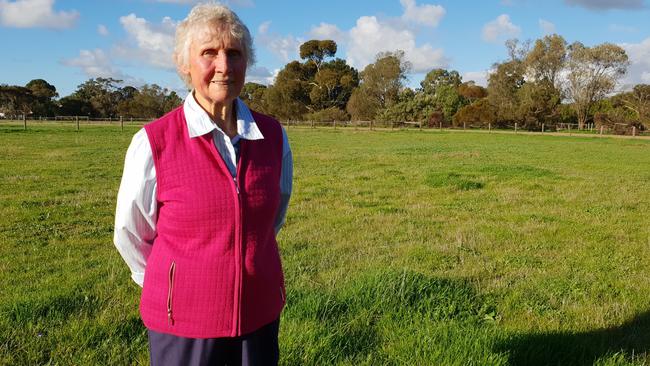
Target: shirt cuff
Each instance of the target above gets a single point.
(138, 278)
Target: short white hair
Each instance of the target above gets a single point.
(206, 17)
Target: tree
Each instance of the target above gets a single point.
(592, 74)
(480, 113)
(439, 77)
(316, 51)
(503, 86)
(102, 93)
(472, 92)
(253, 95)
(44, 94)
(380, 85)
(333, 85)
(150, 101)
(547, 59)
(72, 105)
(538, 101)
(15, 100)
(638, 101)
(288, 98)
(411, 106)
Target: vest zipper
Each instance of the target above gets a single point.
(239, 256)
(170, 293)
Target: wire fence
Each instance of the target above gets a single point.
(80, 122)
(560, 128)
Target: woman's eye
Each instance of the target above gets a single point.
(234, 53)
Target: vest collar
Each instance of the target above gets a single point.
(199, 123)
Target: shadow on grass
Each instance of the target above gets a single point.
(630, 340)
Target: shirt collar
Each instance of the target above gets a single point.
(199, 123)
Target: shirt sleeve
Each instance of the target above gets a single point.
(136, 210)
(286, 182)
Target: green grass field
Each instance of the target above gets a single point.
(401, 248)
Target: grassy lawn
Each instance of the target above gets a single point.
(401, 247)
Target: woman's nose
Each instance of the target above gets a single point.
(221, 62)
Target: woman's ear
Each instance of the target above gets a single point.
(184, 69)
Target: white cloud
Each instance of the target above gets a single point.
(260, 75)
(245, 3)
(639, 70)
(35, 14)
(607, 4)
(645, 77)
(148, 42)
(370, 37)
(429, 15)
(286, 48)
(546, 26)
(95, 64)
(622, 28)
(500, 28)
(479, 77)
(328, 31)
(102, 30)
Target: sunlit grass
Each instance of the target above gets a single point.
(401, 247)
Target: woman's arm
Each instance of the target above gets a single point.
(136, 210)
(286, 182)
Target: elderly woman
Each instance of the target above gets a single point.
(204, 192)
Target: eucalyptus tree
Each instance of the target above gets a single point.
(592, 74)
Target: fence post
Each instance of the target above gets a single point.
(569, 125)
(516, 127)
(122, 122)
(440, 126)
(542, 128)
(370, 125)
(312, 123)
(601, 130)
(420, 125)
(464, 125)
(76, 118)
(489, 127)
(24, 121)
(633, 131)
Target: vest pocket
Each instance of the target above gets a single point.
(170, 293)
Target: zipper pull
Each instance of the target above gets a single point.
(236, 184)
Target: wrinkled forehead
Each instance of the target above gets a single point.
(219, 35)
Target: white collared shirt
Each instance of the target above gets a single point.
(136, 210)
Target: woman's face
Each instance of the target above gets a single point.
(217, 66)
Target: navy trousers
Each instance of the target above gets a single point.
(259, 348)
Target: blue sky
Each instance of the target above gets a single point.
(68, 42)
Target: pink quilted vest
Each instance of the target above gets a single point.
(215, 269)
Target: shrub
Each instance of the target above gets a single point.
(328, 115)
(479, 113)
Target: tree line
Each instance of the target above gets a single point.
(95, 98)
(542, 83)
